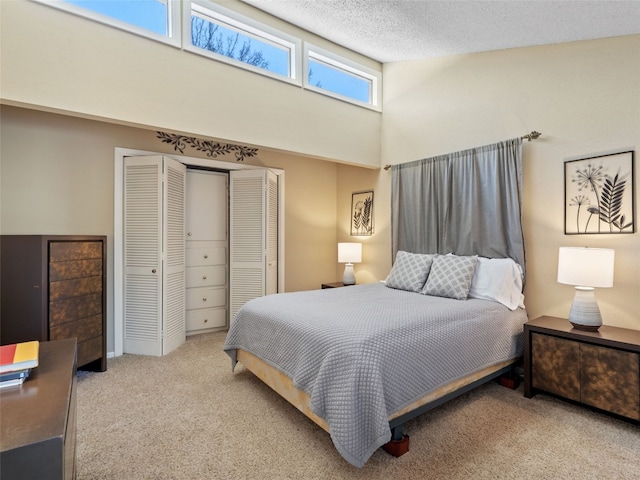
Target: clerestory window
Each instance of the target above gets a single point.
(226, 36)
(156, 19)
(341, 78)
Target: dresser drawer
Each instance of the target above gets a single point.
(206, 297)
(197, 257)
(206, 318)
(90, 350)
(206, 276)
(74, 288)
(75, 269)
(62, 251)
(85, 329)
(72, 309)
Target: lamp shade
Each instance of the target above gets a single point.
(587, 267)
(349, 252)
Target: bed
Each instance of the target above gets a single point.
(361, 360)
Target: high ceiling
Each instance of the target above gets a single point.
(395, 30)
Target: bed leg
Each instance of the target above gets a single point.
(510, 380)
(399, 444)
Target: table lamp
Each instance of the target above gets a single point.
(585, 268)
(349, 253)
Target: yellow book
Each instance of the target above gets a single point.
(19, 356)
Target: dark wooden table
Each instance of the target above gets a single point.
(38, 419)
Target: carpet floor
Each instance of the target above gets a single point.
(187, 416)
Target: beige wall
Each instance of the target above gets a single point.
(95, 71)
(585, 99)
(57, 177)
(376, 249)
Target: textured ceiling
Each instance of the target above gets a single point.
(394, 30)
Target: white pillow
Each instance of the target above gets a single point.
(498, 280)
(409, 271)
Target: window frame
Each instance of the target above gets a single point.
(173, 38)
(350, 67)
(246, 26)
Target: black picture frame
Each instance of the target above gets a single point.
(600, 195)
(362, 218)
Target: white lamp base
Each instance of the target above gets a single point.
(349, 277)
(584, 313)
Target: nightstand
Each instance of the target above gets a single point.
(598, 369)
(334, 285)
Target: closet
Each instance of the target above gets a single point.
(197, 244)
(206, 250)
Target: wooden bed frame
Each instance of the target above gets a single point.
(399, 444)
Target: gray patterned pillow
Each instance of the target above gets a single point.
(410, 271)
(451, 276)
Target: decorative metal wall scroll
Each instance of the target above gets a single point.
(212, 149)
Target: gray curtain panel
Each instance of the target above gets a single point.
(467, 203)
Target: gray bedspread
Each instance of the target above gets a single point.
(364, 352)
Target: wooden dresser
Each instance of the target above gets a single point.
(54, 287)
(599, 369)
(38, 422)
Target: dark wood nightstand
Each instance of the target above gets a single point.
(334, 285)
(599, 369)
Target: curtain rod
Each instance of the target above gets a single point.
(529, 136)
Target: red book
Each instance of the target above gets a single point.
(19, 356)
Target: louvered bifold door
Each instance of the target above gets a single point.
(247, 231)
(143, 255)
(154, 256)
(174, 272)
(272, 234)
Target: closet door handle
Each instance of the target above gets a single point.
(189, 234)
(153, 271)
(204, 277)
(206, 256)
(204, 299)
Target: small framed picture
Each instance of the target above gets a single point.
(600, 195)
(362, 213)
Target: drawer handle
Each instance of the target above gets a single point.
(204, 277)
(204, 299)
(153, 271)
(206, 320)
(189, 234)
(206, 256)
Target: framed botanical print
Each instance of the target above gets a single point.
(600, 195)
(362, 213)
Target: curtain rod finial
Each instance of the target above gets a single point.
(531, 136)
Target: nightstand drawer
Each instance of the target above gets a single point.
(604, 373)
(556, 365)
